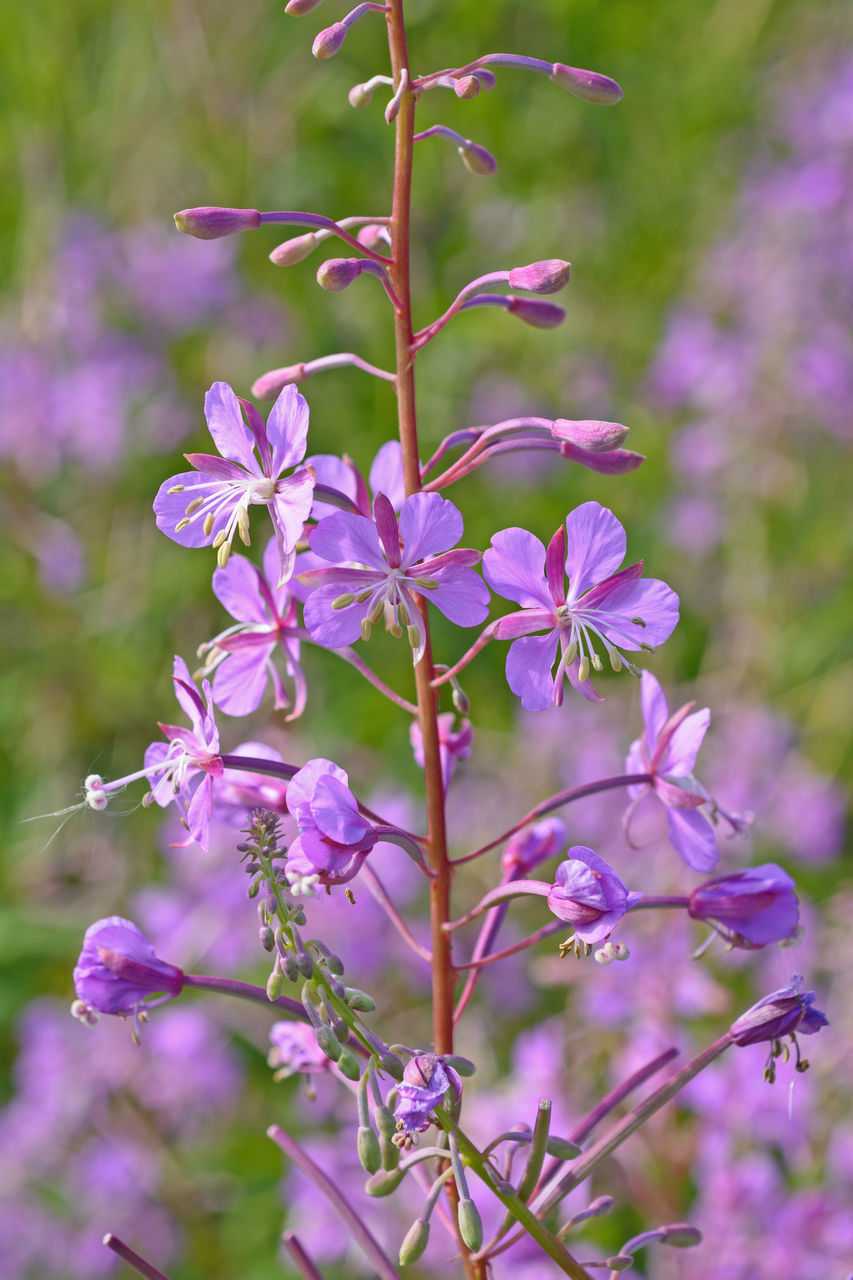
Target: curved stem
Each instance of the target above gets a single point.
(245, 991)
(480, 643)
(293, 218)
(556, 802)
(554, 926)
(301, 1260)
(132, 1258)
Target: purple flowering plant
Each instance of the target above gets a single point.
(351, 553)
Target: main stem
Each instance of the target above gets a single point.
(443, 976)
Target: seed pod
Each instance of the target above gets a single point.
(328, 1042)
(348, 1065)
(368, 1149)
(416, 1240)
(384, 1183)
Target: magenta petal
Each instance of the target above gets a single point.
(287, 429)
(171, 508)
(646, 598)
(186, 693)
(528, 670)
(692, 836)
(584, 687)
(429, 524)
(198, 813)
(524, 623)
(386, 473)
(462, 596)
(333, 628)
(300, 789)
(595, 547)
(580, 883)
(655, 711)
(348, 538)
(333, 472)
(230, 434)
(680, 756)
(239, 682)
(514, 567)
(236, 588)
(335, 811)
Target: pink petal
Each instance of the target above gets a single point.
(655, 710)
(684, 745)
(595, 547)
(239, 682)
(344, 537)
(429, 524)
(287, 429)
(236, 589)
(528, 670)
(386, 473)
(691, 834)
(230, 434)
(514, 567)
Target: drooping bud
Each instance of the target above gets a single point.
(590, 433)
(620, 1262)
(477, 159)
(294, 250)
(541, 315)
(681, 1235)
(375, 236)
(533, 845)
(548, 276)
(470, 1224)
(348, 1065)
(329, 40)
(297, 7)
(268, 385)
(466, 87)
(338, 273)
(360, 95)
(414, 1243)
(368, 1149)
(562, 1148)
(385, 1182)
(328, 1042)
(589, 86)
(210, 223)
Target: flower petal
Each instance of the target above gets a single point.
(514, 567)
(528, 670)
(239, 682)
(236, 588)
(334, 628)
(680, 756)
(429, 524)
(462, 596)
(348, 538)
(647, 598)
(287, 429)
(595, 547)
(300, 789)
(386, 473)
(335, 811)
(230, 434)
(170, 509)
(655, 711)
(692, 836)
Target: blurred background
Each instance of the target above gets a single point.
(709, 221)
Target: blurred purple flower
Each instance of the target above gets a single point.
(295, 1051)
(533, 845)
(426, 1079)
(589, 895)
(386, 476)
(453, 744)
(404, 559)
(603, 604)
(748, 908)
(783, 1012)
(334, 839)
(210, 505)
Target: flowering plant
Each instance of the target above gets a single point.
(352, 559)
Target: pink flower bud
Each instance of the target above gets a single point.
(269, 384)
(210, 223)
(338, 273)
(466, 87)
(360, 96)
(548, 276)
(588, 433)
(478, 160)
(374, 236)
(291, 251)
(542, 315)
(589, 86)
(298, 7)
(329, 40)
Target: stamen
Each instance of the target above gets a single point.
(365, 628)
(176, 488)
(219, 539)
(583, 669)
(193, 506)
(208, 524)
(223, 554)
(344, 601)
(182, 524)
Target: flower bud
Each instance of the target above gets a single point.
(294, 250)
(369, 1153)
(348, 1065)
(620, 1262)
(541, 315)
(297, 7)
(329, 40)
(338, 273)
(360, 1000)
(527, 848)
(470, 1224)
(328, 1042)
(385, 1122)
(275, 984)
(384, 1183)
(478, 160)
(360, 96)
(589, 433)
(681, 1235)
(210, 223)
(390, 1152)
(415, 1242)
(269, 384)
(466, 87)
(548, 276)
(779, 1014)
(589, 86)
(562, 1148)
(375, 235)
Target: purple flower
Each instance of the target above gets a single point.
(383, 564)
(614, 608)
(386, 476)
(241, 656)
(118, 969)
(172, 766)
(667, 750)
(426, 1079)
(334, 839)
(748, 908)
(781, 1013)
(210, 505)
(295, 1050)
(533, 845)
(589, 895)
(453, 744)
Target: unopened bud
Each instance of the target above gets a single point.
(548, 276)
(590, 434)
(295, 250)
(374, 235)
(541, 315)
(266, 937)
(327, 1042)
(462, 1066)
(360, 96)
(460, 700)
(348, 1065)
(305, 964)
(589, 86)
(416, 1240)
(291, 968)
(478, 160)
(338, 273)
(368, 1149)
(681, 1235)
(620, 1262)
(562, 1148)
(470, 1224)
(298, 7)
(268, 385)
(384, 1183)
(209, 223)
(390, 1152)
(329, 40)
(391, 1065)
(275, 984)
(359, 1000)
(466, 87)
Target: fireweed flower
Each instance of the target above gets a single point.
(533, 845)
(172, 767)
(385, 476)
(118, 970)
(667, 750)
(600, 606)
(295, 1051)
(210, 505)
(426, 1080)
(453, 744)
(383, 564)
(240, 658)
(785, 1012)
(748, 908)
(334, 839)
